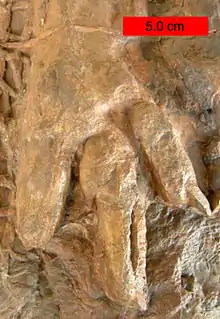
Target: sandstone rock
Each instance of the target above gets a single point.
(175, 189)
(109, 145)
(120, 246)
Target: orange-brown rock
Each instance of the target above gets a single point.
(109, 163)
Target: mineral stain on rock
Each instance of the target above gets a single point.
(109, 163)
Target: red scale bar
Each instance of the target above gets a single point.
(165, 26)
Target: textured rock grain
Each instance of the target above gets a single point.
(109, 163)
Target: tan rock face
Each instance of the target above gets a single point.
(109, 169)
(120, 249)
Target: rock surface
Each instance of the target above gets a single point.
(109, 163)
